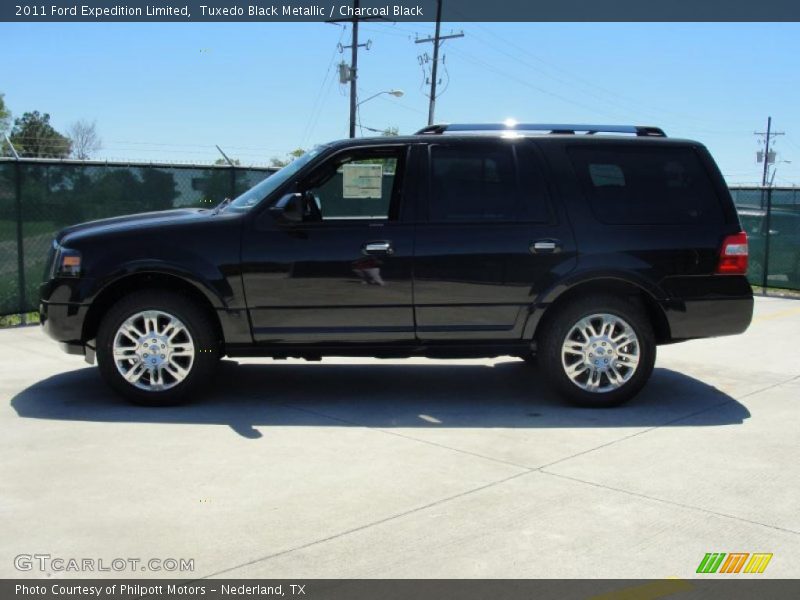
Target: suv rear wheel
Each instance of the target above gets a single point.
(156, 348)
(598, 351)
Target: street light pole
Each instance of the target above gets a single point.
(392, 92)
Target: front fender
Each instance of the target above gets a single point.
(204, 277)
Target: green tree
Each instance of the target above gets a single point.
(33, 136)
(222, 161)
(282, 162)
(5, 119)
(390, 132)
(5, 115)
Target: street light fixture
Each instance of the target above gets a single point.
(392, 92)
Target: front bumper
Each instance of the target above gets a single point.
(63, 322)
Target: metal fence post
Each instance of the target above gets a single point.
(23, 301)
(767, 228)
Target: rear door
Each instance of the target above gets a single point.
(489, 241)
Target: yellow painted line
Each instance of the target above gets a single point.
(648, 591)
(779, 314)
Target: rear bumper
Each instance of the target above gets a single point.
(689, 319)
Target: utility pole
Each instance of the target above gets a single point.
(766, 198)
(437, 41)
(768, 135)
(352, 76)
(354, 71)
(766, 152)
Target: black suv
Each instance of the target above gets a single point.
(579, 247)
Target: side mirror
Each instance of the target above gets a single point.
(289, 209)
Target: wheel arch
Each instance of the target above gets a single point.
(150, 280)
(607, 284)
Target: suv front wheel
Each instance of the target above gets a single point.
(598, 351)
(157, 348)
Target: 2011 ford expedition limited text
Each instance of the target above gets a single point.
(580, 246)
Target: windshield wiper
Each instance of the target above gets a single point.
(221, 206)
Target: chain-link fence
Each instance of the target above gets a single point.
(39, 197)
(771, 218)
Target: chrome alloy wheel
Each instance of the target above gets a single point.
(600, 353)
(153, 350)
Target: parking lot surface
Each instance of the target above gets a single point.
(408, 468)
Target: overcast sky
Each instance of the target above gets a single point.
(171, 91)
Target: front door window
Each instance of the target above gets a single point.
(362, 186)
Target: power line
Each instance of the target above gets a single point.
(527, 83)
(632, 104)
(316, 107)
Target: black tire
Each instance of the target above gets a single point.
(199, 326)
(559, 325)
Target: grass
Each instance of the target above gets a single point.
(776, 292)
(8, 228)
(31, 318)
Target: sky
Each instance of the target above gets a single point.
(172, 91)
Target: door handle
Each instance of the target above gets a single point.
(382, 247)
(547, 246)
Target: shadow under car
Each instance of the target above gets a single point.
(506, 394)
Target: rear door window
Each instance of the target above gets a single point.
(491, 182)
(646, 184)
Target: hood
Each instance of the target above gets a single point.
(135, 221)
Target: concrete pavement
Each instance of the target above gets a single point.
(410, 468)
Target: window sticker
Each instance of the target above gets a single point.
(362, 181)
(606, 175)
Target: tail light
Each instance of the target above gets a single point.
(733, 256)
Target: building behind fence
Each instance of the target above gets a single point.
(39, 197)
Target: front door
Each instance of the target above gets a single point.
(492, 241)
(343, 274)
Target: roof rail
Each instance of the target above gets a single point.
(544, 128)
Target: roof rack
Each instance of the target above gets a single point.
(544, 128)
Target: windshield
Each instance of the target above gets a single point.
(261, 190)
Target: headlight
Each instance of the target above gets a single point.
(67, 263)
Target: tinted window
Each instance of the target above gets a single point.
(532, 195)
(471, 184)
(646, 185)
(359, 186)
(260, 191)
